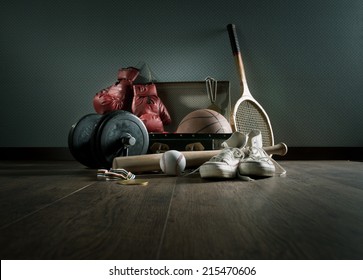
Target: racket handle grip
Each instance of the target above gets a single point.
(233, 38)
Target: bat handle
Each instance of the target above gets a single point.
(278, 149)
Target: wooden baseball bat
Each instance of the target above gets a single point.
(150, 162)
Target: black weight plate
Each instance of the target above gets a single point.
(79, 140)
(111, 129)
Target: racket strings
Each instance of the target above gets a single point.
(249, 117)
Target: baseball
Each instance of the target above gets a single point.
(172, 163)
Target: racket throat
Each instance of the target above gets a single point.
(240, 70)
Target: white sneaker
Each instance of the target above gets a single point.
(223, 165)
(240, 140)
(237, 140)
(254, 139)
(257, 163)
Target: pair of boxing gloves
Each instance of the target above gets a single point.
(139, 99)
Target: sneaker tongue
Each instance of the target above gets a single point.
(255, 139)
(232, 155)
(237, 140)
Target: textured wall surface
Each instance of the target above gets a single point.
(303, 60)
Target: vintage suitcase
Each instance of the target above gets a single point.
(185, 142)
(181, 98)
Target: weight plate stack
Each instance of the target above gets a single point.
(95, 140)
(112, 134)
(79, 140)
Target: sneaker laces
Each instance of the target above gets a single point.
(280, 171)
(255, 153)
(228, 155)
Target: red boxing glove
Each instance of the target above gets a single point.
(152, 122)
(117, 96)
(110, 99)
(147, 103)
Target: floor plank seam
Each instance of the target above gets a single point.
(165, 223)
(44, 207)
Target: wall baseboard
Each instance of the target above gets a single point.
(323, 153)
(35, 153)
(294, 153)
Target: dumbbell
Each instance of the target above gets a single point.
(95, 140)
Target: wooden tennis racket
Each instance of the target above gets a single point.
(247, 114)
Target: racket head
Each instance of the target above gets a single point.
(248, 114)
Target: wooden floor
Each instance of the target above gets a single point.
(58, 210)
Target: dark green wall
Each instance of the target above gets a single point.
(304, 61)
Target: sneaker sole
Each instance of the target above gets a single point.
(255, 169)
(215, 170)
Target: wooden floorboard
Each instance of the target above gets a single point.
(59, 210)
(274, 218)
(27, 187)
(103, 220)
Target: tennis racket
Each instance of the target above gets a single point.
(247, 114)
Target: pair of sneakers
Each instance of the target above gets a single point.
(242, 157)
